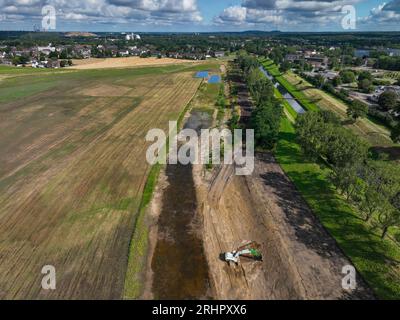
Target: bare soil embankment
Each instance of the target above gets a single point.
(301, 260)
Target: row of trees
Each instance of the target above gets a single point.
(388, 110)
(364, 80)
(388, 63)
(373, 186)
(266, 116)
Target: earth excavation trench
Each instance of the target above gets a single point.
(198, 214)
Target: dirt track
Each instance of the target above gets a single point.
(301, 260)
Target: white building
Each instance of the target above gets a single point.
(132, 36)
(47, 50)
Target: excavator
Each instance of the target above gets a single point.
(250, 250)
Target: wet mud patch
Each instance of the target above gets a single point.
(179, 265)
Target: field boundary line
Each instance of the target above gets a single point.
(138, 245)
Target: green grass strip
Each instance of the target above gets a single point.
(139, 243)
(298, 95)
(377, 260)
(289, 109)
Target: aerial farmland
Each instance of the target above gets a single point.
(73, 172)
(208, 166)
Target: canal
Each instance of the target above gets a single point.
(286, 95)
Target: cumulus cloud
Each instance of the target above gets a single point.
(286, 13)
(158, 12)
(234, 14)
(386, 14)
(259, 4)
(392, 6)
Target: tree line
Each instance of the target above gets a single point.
(372, 185)
(267, 112)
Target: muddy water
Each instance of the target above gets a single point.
(179, 264)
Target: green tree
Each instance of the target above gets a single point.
(260, 87)
(265, 121)
(365, 86)
(357, 109)
(365, 75)
(343, 148)
(330, 117)
(319, 81)
(387, 100)
(285, 66)
(347, 76)
(310, 132)
(337, 81)
(388, 218)
(53, 55)
(346, 180)
(396, 133)
(64, 54)
(373, 201)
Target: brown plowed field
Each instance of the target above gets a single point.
(72, 172)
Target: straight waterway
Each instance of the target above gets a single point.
(286, 95)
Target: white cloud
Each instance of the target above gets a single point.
(386, 14)
(166, 12)
(282, 14)
(234, 14)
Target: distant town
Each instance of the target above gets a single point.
(319, 202)
(69, 46)
(363, 69)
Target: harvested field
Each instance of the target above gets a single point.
(97, 63)
(72, 172)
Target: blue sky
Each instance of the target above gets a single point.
(201, 15)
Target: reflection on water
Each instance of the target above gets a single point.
(288, 97)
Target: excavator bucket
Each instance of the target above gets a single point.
(251, 250)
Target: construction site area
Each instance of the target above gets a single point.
(214, 234)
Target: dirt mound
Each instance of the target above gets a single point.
(300, 259)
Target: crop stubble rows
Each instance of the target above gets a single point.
(72, 180)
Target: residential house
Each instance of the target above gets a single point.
(123, 53)
(393, 52)
(317, 61)
(46, 50)
(293, 57)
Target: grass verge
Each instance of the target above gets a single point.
(298, 95)
(139, 243)
(376, 260)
